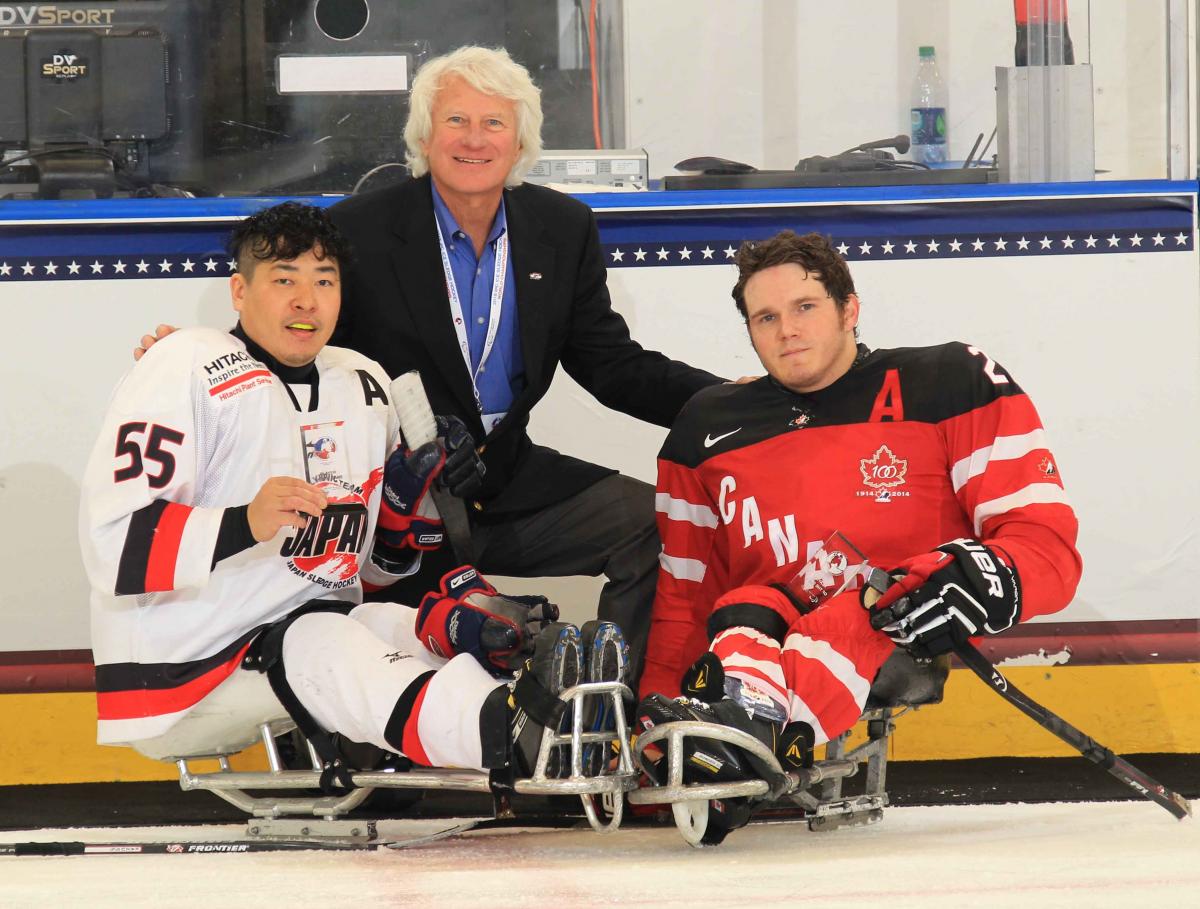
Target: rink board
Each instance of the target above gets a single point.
(1130, 709)
(1089, 296)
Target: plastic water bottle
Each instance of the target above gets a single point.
(928, 112)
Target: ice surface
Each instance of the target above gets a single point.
(1071, 855)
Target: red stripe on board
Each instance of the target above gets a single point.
(143, 702)
(43, 657)
(1148, 641)
(237, 380)
(1100, 643)
(410, 742)
(56, 677)
(160, 567)
(46, 671)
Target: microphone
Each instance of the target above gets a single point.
(899, 142)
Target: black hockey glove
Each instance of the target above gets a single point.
(464, 470)
(941, 599)
(466, 615)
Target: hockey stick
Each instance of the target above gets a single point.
(226, 846)
(419, 427)
(878, 581)
(184, 847)
(1124, 771)
(177, 848)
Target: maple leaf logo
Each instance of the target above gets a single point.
(883, 470)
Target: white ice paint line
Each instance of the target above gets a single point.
(1041, 658)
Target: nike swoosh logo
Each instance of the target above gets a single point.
(710, 441)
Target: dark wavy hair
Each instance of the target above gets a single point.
(812, 252)
(286, 231)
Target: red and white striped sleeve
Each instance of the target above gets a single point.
(687, 525)
(138, 531)
(1008, 483)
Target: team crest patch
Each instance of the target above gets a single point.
(1047, 468)
(883, 473)
(325, 457)
(323, 448)
(800, 420)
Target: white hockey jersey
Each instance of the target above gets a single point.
(198, 425)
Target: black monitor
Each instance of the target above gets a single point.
(95, 97)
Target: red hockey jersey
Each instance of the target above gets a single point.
(913, 447)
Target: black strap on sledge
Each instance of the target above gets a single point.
(546, 708)
(266, 655)
(494, 734)
(497, 739)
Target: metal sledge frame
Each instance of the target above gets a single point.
(689, 801)
(321, 817)
(829, 808)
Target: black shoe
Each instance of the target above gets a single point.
(556, 665)
(712, 760)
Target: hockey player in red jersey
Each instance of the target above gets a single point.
(932, 460)
(244, 486)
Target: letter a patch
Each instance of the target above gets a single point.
(888, 403)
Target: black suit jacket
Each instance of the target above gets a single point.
(395, 310)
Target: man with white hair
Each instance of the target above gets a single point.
(485, 284)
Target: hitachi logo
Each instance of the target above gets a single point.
(225, 361)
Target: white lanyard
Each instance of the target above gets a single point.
(460, 319)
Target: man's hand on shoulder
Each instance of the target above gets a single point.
(149, 341)
(283, 502)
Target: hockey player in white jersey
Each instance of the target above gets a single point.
(229, 522)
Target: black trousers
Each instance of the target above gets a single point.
(607, 529)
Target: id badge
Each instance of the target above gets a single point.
(325, 457)
(492, 420)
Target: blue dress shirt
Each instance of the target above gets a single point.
(502, 377)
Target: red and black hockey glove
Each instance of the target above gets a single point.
(466, 615)
(408, 519)
(941, 599)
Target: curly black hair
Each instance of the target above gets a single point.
(286, 231)
(812, 252)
